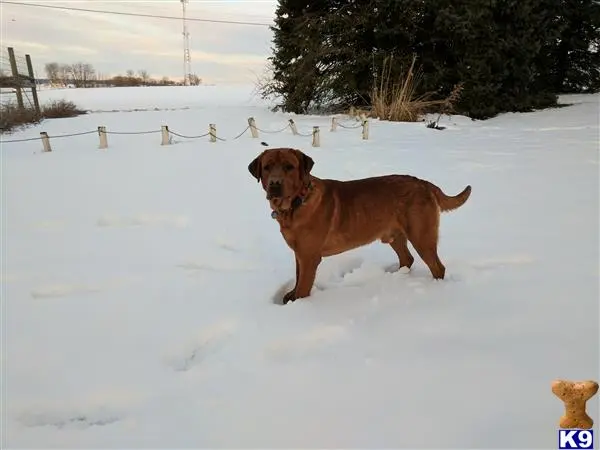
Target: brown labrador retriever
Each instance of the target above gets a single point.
(320, 217)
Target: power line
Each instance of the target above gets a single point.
(119, 13)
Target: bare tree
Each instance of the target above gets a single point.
(82, 74)
(64, 74)
(89, 75)
(195, 80)
(53, 73)
(145, 76)
(75, 74)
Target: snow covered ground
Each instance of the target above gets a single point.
(138, 284)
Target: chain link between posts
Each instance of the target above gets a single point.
(348, 127)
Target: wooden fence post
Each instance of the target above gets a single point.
(46, 141)
(164, 130)
(365, 129)
(293, 127)
(316, 141)
(15, 76)
(212, 132)
(103, 139)
(36, 102)
(252, 124)
(333, 124)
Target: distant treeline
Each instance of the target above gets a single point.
(84, 75)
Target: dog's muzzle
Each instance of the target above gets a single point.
(274, 190)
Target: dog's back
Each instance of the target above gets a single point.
(380, 208)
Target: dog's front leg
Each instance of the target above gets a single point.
(291, 295)
(307, 271)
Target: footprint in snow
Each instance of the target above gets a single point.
(208, 341)
(306, 343)
(195, 268)
(73, 420)
(329, 274)
(63, 290)
(226, 244)
(58, 290)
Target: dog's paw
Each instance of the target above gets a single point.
(289, 297)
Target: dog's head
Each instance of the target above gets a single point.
(283, 172)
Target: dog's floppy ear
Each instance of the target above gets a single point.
(306, 163)
(255, 167)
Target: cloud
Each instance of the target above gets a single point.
(114, 43)
(30, 46)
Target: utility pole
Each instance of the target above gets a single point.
(187, 60)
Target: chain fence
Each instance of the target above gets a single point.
(168, 134)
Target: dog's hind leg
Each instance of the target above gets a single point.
(428, 253)
(400, 245)
(423, 235)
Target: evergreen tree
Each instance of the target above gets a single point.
(328, 52)
(491, 47)
(296, 52)
(510, 55)
(572, 59)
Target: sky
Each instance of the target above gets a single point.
(220, 53)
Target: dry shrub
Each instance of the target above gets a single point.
(11, 116)
(397, 100)
(60, 108)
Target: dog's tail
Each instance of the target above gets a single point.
(448, 203)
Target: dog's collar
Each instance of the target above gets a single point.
(297, 201)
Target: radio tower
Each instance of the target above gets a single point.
(187, 60)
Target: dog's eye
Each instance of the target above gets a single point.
(288, 167)
(267, 167)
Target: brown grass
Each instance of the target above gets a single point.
(397, 100)
(60, 108)
(13, 117)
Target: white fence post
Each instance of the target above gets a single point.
(164, 130)
(212, 131)
(293, 127)
(46, 141)
(365, 129)
(252, 124)
(316, 141)
(103, 139)
(333, 124)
